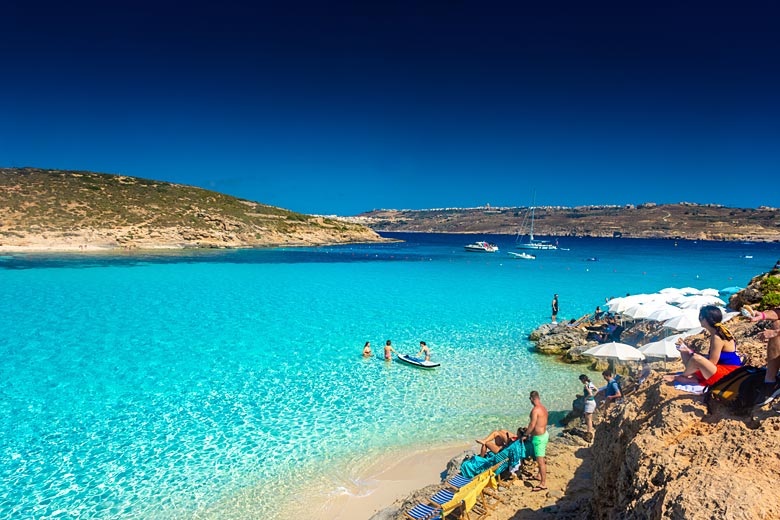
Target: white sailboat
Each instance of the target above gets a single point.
(531, 242)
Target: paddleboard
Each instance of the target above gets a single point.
(421, 363)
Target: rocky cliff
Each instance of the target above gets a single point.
(60, 210)
(667, 454)
(662, 454)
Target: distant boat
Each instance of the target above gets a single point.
(481, 247)
(530, 242)
(592, 259)
(522, 256)
(747, 256)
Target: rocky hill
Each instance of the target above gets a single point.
(76, 210)
(683, 220)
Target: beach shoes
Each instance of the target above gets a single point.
(768, 393)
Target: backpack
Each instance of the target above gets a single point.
(738, 389)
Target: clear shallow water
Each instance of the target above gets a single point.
(162, 386)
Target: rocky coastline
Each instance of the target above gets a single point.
(680, 221)
(662, 453)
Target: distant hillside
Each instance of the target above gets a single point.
(54, 209)
(684, 220)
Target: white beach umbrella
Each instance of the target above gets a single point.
(615, 350)
(710, 292)
(689, 290)
(619, 305)
(643, 310)
(674, 297)
(666, 312)
(727, 316)
(697, 302)
(671, 290)
(665, 348)
(685, 321)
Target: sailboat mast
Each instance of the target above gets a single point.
(532, 222)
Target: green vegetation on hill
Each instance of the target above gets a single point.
(63, 203)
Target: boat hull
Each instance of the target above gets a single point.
(481, 247)
(537, 246)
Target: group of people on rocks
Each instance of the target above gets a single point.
(611, 393)
(722, 358)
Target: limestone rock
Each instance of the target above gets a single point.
(541, 331)
(659, 459)
(574, 354)
(752, 294)
(561, 339)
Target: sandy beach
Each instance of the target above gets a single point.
(389, 478)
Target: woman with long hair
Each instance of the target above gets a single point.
(722, 358)
(589, 392)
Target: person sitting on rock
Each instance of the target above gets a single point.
(722, 359)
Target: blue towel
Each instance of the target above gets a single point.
(509, 456)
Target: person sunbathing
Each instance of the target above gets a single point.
(722, 359)
(496, 441)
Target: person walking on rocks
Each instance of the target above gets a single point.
(537, 432)
(555, 309)
(589, 391)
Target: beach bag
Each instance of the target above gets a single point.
(738, 389)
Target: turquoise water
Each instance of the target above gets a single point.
(161, 386)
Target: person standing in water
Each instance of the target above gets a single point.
(367, 349)
(388, 349)
(424, 349)
(555, 309)
(537, 432)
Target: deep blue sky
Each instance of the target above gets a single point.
(341, 107)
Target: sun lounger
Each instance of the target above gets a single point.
(468, 497)
(505, 459)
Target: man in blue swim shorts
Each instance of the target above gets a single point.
(537, 432)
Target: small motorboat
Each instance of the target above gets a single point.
(522, 256)
(481, 247)
(592, 259)
(417, 362)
